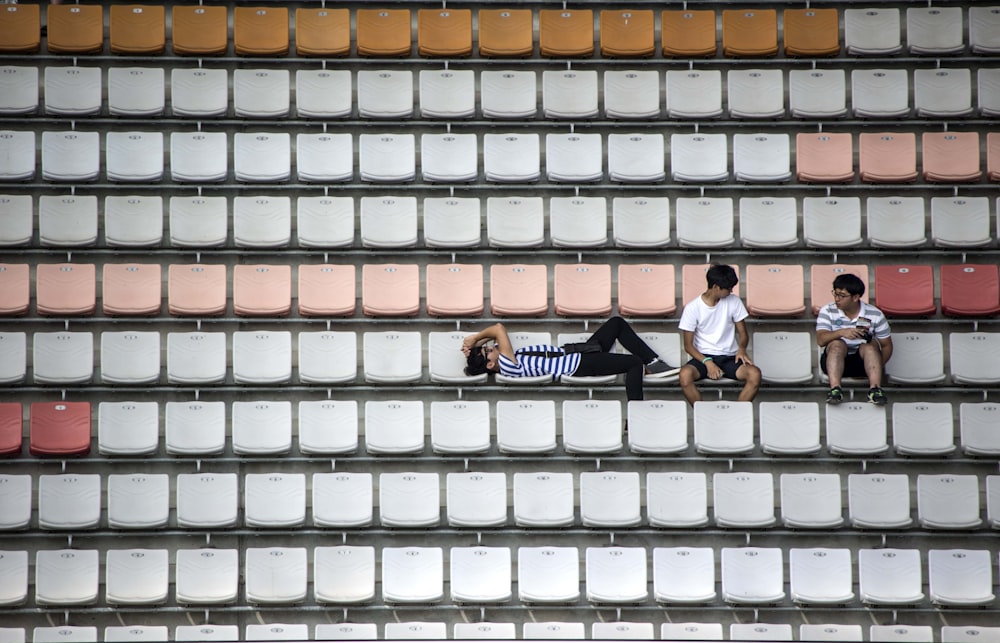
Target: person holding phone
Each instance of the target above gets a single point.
(855, 338)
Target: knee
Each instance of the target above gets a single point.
(837, 348)
(687, 376)
(870, 351)
(753, 375)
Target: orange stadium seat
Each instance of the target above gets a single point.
(693, 281)
(260, 31)
(15, 288)
(131, 289)
(444, 32)
(749, 33)
(566, 33)
(887, 157)
(59, 428)
(384, 32)
(628, 33)
(824, 157)
(327, 290)
(646, 290)
(688, 33)
(75, 28)
(519, 290)
(196, 289)
(905, 290)
(774, 290)
(262, 291)
(506, 32)
(582, 290)
(390, 290)
(821, 278)
(322, 32)
(811, 32)
(11, 423)
(199, 30)
(66, 288)
(454, 290)
(20, 29)
(951, 157)
(970, 290)
(139, 30)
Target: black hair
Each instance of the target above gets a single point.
(850, 283)
(722, 276)
(475, 363)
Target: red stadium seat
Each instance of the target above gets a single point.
(196, 289)
(582, 290)
(970, 290)
(905, 290)
(646, 290)
(326, 290)
(951, 157)
(821, 278)
(454, 290)
(15, 288)
(131, 289)
(11, 428)
(887, 157)
(390, 290)
(519, 290)
(59, 428)
(66, 288)
(262, 291)
(774, 290)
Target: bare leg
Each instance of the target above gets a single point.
(687, 378)
(872, 357)
(750, 375)
(836, 352)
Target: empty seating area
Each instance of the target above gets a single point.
(241, 246)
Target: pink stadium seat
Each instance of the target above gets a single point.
(519, 290)
(131, 288)
(993, 155)
(693, 281)
(327, 290)
(905, 290)
(824, 157)
(66, 288)
(390, 290)
(59, 428)
(582, 290)
(951, 157)
(774, 290)
(454, 290)
(888, 157)
(11, 423)
(15, 288)
(970, 290)
(821, 278)
(196, 289)
(262, 291)
(646, 290)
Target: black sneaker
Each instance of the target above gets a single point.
(877, 397)
(835, 396)
(658, 368)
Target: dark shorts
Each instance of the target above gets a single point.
(726, 362)
(854, 365)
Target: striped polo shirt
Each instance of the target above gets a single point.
(832, 318)
(535, 365)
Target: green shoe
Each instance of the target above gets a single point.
(835, 396)
(877, 397)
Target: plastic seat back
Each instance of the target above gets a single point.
(444, 32)
(322, 32)
(199, 30)
(384, 32)
(749, 33)
(326, 290)
(75, 29)
(260, 31)
(390, 290)
(566, 33)
(627, 34)
(59, 428)
(65, 289)
(887, 157)
(688, 33)
(905, 290)
(970, 290)
(20, 29)
(138, 30)
(811, 32)
(826, 157)
(951, 157)
(505, 32)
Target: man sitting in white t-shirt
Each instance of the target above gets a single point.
(716, 337)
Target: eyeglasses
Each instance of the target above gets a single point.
(840, 295)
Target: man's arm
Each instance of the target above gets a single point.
(824, 337)
(497, 333)
(885, 345)
(742, 341)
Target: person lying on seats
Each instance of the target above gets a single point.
(490, 351)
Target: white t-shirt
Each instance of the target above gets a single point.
(714, 327)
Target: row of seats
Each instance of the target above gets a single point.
(458, 290)
(480, 575)
(531, 630)
(411, 500)
(659, 427)
(446, 32)
(509, 94)
(265, 157)
(396, 221)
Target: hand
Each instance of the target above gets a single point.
(853, 333)
(714, 372)
(743, 358)
(468, 344)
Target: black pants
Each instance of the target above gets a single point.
(607, 363)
